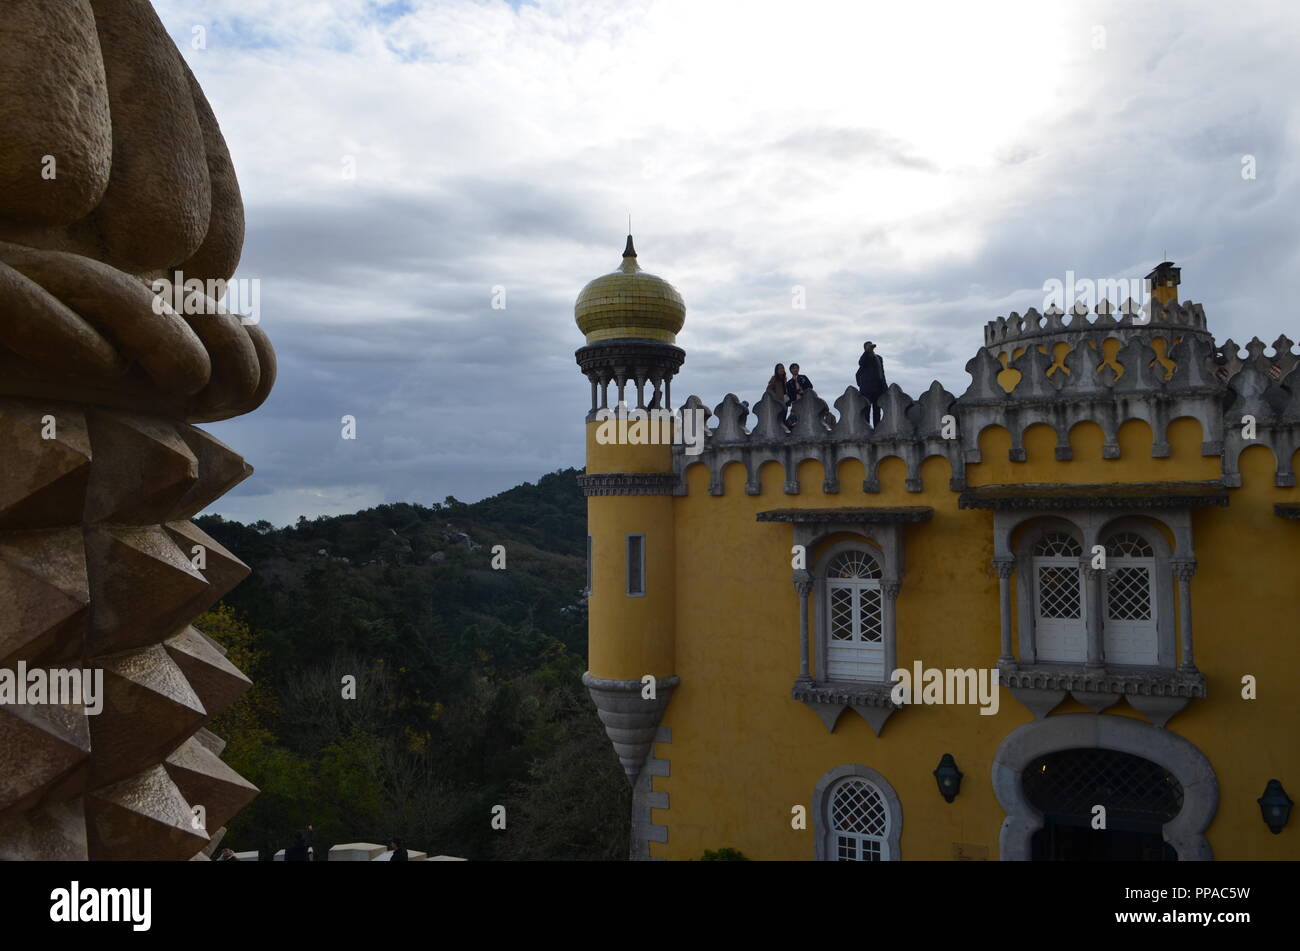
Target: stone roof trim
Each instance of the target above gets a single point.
(883, 515)
(1104, 495)
(628, 483)
(1120, 681)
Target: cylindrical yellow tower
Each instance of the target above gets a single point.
(630, 319)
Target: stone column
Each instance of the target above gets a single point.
(1005, 567)
(803, 584)
(103, 382)
(889, 591)
(1092, 578)
(1184, 568)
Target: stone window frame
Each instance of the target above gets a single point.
(823, 830)
(627, 565)
(883, 546)
(822, 586)
(1176, 754)
(1090, 528)
(880, 529)
(1028, 565)
(1160, 585)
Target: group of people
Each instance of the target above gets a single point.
(870, 380)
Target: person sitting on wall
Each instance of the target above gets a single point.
(794, 389)
(776, 386)
(399, 851)
(871, 380)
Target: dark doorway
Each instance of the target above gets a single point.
(1139, 798)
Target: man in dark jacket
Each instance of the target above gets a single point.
(794, 388)
(399, 851)
(871, 380)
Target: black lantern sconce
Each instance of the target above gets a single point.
(948, 776)
(1276, 805)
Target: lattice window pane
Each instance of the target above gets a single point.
(1129, 545)
(846, 848)
(1071, 782)
(859, 807)
(1128, 594)
(1058, 545)
(870, 850)
(1058, 592)
(841, 614)
(853, 564)
(870, 615)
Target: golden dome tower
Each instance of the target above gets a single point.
(630, 319)
(629, 303)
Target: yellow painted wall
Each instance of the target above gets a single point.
(743, 752)
(630, 636)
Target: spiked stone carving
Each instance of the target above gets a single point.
(100, 467)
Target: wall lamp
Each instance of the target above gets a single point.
(948, 776)
(1276, 805)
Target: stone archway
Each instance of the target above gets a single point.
(1185, 832)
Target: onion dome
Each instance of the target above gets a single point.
(629, 303)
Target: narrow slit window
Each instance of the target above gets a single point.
(589, 566)
(635, 565)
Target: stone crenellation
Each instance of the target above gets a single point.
(1055, 325)
(1191, 377)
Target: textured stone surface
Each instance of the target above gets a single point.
(100, 569)
(53, 101)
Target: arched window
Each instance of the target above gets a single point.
(859, 822)
(1059, 627)
(1130, 635)
(855, 646)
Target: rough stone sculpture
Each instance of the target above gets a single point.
(114, 175)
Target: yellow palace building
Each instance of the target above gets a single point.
(1085, 566)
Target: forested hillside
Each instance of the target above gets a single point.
(467, 680)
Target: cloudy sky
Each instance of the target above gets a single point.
(918, 168)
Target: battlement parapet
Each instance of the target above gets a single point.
(1055, 325)
(1193, 379)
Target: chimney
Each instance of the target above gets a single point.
(1164, 280)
